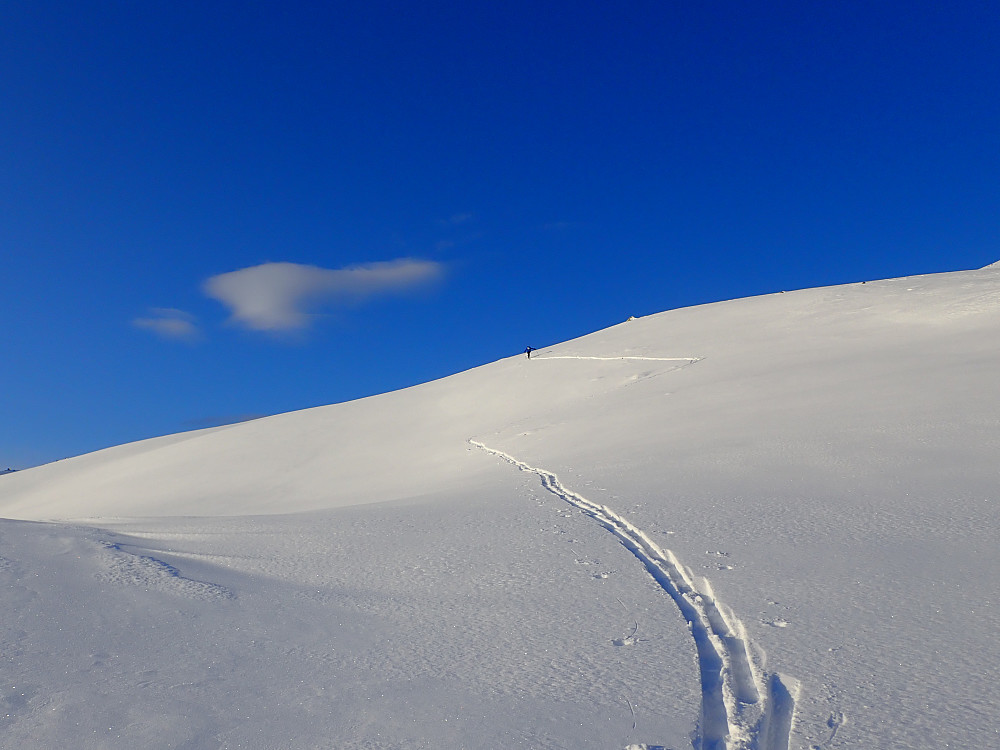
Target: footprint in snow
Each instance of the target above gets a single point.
(834, 723)
(629, 640)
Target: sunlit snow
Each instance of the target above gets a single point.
(768, 523)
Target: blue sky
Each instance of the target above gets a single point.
(217, 210)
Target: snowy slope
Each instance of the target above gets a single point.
(763, 523)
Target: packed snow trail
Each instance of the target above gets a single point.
(732, 717)
(689, 360)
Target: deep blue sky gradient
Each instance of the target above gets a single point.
(569, 164)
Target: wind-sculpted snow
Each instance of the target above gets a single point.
(127, 568)
(731, 715)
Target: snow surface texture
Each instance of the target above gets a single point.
(764, 523)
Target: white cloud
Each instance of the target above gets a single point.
(170, 324)
(279, 296)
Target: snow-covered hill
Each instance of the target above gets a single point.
(765, 523)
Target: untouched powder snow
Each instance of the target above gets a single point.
(768, 523)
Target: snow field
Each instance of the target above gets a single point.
(821, 461)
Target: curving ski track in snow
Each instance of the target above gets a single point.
(733, 715)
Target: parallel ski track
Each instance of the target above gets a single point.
(689, 360)
(733, 716)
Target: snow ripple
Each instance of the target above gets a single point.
(733, 716)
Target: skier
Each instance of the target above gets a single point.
(528, 350)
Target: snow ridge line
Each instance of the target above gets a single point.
(733, 717)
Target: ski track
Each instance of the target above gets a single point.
(689, 360)
(733, 714)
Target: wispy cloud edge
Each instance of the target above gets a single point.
(170, 323)
(278, 297)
